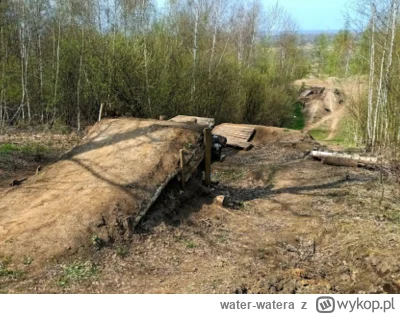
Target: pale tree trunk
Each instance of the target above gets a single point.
(223, 53)
(28, 105)
(385, 124)
(146, 69)
(145, 52)
(40, 55)
(196, 29)
(371, 81)
(380, 127)
(112, 58)
(253, 37)
(78, 89)
(379, 97)
(348, 58)
(40, 79)
(57, 70)
(240, 48)
(253, 24)
(214, 39)
(22, 54)
(3, 77)
(239, 36)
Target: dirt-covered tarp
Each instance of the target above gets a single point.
(96, 191)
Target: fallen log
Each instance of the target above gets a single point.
(347, 160)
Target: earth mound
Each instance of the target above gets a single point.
(96, 192)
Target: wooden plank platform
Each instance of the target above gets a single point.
(237, 135)
(192, 119)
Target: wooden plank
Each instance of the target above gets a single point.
(236, 135)
(209, 122)
(227, 129)
(192, 161)
(208, 148)
(241, 144)
(183, 172)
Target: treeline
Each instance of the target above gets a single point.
(379, 118)
(369, 55)
(61, 59)
(339, 55)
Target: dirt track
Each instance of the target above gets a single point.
(291, 225)
(326, 111)
(94, 193)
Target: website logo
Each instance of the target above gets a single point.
(325, 305)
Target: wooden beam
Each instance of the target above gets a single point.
(208, 148)
(183, 172)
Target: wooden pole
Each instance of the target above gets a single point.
(101, 111)
(207, 159)
(183, 172)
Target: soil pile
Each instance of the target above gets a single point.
(95, 192)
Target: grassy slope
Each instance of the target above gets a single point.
(297, 121)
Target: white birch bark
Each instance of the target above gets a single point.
(145, 52)
(371, 79)
(196, 29)
(57, 69)
(214, 38)
(78, 88)
(3, 77)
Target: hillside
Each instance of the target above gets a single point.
(289, 224)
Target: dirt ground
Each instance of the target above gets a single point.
(94, 193)
(327, 110)
(32, 148)
(324, 110)
(290, 225)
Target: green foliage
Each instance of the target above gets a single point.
(336, 56)
(27, 149)
(145, 68)
(60, 127)
(8, 273)
(393, 216)
(77, 272)
(191, 245)
(122, 251)
(230, 175)
(28, 260)
(7, 148)
(297, 120)
(11, 274)
(319, 134)
(97, 242)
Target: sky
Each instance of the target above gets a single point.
(312, 15)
